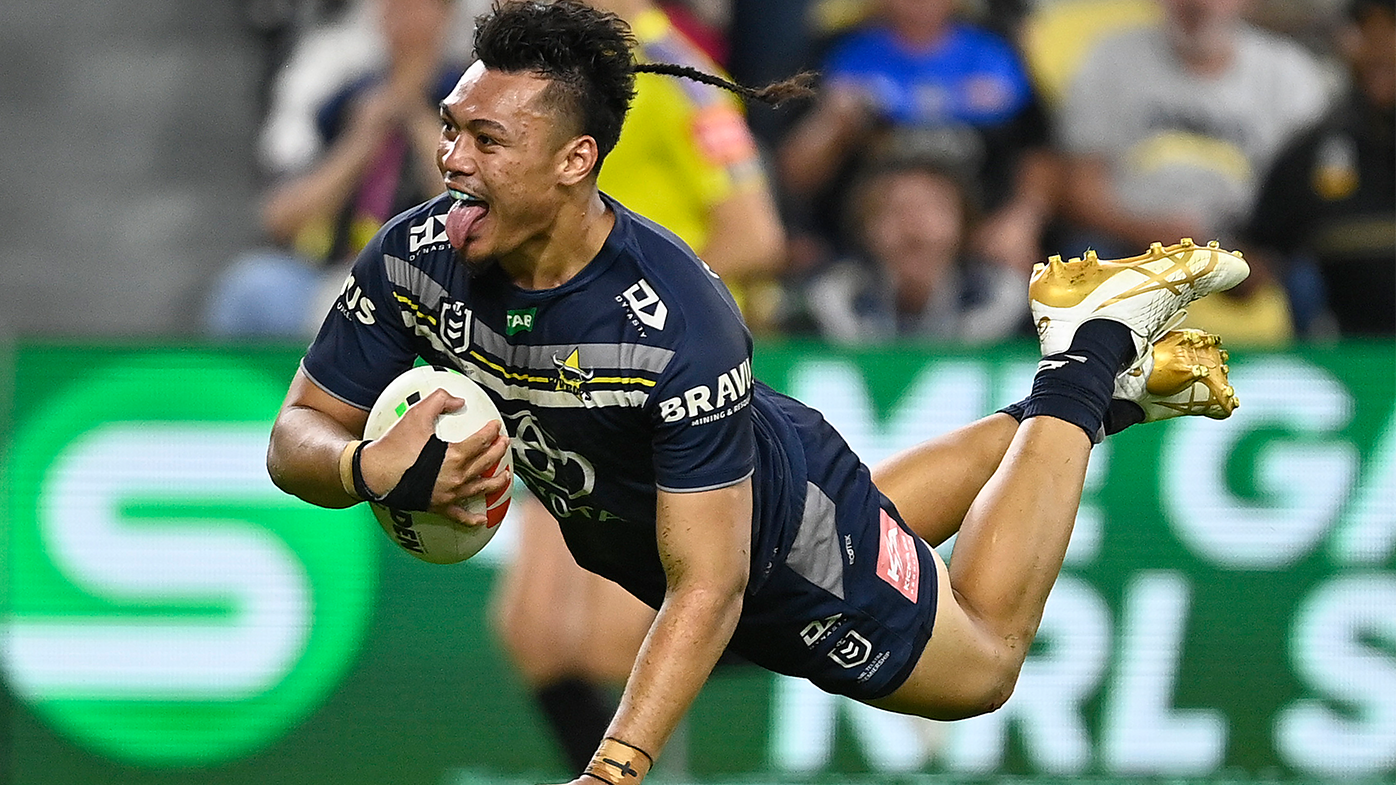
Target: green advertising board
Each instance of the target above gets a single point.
(1227, 612)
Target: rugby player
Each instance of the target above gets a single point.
(622, 369)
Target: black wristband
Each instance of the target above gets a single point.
(413, 490)
(361, 487)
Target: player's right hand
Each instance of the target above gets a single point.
(461, 474)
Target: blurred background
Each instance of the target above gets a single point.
(185, 184)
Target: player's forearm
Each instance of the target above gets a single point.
(815, 150)
(688, 636)
(747, 240)
(320, 192)
(304, 456)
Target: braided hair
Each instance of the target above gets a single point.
(587, 55)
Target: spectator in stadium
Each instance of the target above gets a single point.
(727, 507)
(373, 156)
(686, 160)
(916, 70)
(1331, 196)
(911, 278)
(1168, 128)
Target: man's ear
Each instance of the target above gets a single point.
(577, 160)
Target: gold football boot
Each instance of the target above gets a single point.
(1146, 293)
(1185, 374)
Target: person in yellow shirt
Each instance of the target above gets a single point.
(686, 160)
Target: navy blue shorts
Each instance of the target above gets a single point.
(852, 605)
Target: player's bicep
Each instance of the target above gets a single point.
(704, 537)
(305, 394)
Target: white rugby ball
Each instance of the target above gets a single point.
(433, 538)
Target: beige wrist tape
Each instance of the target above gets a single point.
(346, 468)
(619, 763)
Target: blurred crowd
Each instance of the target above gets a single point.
(950, 147)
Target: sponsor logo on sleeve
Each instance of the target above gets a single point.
(897, 561)
(353, 303)
(644, 304)
(708, 403)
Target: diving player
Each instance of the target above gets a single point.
(623, 372)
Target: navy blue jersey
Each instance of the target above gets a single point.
(633, 376)
(636, 376)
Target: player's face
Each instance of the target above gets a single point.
(501, 158)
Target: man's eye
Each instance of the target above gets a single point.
(484, 139)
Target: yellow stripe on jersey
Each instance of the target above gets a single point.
(416, 309)
(525, 377)
(508, 374)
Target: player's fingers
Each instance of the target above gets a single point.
(475, 465)
(418, 423)
(486, 436)
(437, 403)
(460, 515)
(490, 484)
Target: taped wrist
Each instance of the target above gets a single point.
(413, 490)
(346, 469)
(619, 763)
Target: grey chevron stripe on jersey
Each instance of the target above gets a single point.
(618, 356)
(410, 277)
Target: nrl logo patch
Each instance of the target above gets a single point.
(571, 377)
(520, 321)
(455, 326)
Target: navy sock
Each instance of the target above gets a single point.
(1121, 415)
(1076, 384)
(578, 713)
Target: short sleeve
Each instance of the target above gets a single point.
(701, 411)
(362, 344)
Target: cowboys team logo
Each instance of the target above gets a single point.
(455, 326)
(571, 377)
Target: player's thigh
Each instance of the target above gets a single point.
(539, 607)
(963, 670)
(616, 624)
(934, 483)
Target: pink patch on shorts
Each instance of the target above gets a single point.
(897, 562)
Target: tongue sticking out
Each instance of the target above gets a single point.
(460, 220)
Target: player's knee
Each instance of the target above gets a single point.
(993, 688)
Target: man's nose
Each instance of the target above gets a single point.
(457, 155)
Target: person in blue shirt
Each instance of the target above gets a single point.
(622, 371)
(916, 75)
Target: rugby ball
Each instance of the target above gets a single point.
(433, 538)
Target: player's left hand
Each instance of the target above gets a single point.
(471, 468)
